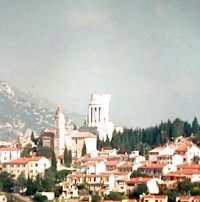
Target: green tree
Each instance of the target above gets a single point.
(39, 198)
(96, 198)
(67, 157)
(7, 180)
(185, 186)
(31, 187)
(1, 186)
(45, 151)
(26, 151)
(60, 175)
(140, 189)
(49, 180)
(195, 126)
(53, 161)
(21, 182)
(177, 128)
(84, 149)
(33, 139)
(115, 196)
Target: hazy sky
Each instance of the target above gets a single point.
(145, 53)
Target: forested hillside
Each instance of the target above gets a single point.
(145, 139)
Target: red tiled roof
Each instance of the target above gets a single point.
(125, 165)
(188, 172)
(97, 158)
(189, 166)
(83, 135)
(112, 158)
(165, 155)
(86, 164)
(111, 163)
(9, 149)
(155, 196)
(157, 149)
(182, 148)
(138, 180)
(24, 160)
(196, 197)
(152, 165)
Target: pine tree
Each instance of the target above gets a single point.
(84, 151)
(195, 126)
(53, 161)
(67, 157)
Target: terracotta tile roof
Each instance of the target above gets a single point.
(86, 164)
(112, 163)
(24, 160)
(157, 149)
(184, 198)
(125, 165)
(138, 180)
(9, 149)
(165, 156)
(160, 196)
(184, 172)
(155, 197)
(76, 175)
(188, 166)
(188, 172)
(112, 158)
(97, 158)
(182, 148)
(152, 166)
(83, 135)
(197, 197)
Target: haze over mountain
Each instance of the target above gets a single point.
(144, 53)
(22, 112)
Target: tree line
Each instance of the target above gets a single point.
(145, 139)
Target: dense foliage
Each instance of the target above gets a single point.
(145, 139)
(67, 157)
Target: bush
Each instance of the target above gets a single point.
(39, 198)
(96, 198)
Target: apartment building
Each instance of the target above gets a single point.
(31, 166)
(9, 153)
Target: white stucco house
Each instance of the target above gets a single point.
(192, 152)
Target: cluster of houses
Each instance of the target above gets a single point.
(110, 170)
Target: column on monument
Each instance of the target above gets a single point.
(93, 116)
(89, 116)
(99, 114)
(91, 113)
(96, 114)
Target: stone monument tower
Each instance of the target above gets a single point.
(98, 115)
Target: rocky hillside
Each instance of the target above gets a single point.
(22, 112)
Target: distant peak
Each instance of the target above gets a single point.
(6, 88)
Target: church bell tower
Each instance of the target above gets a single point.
(59, 139)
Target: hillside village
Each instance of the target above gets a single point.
(151, 177)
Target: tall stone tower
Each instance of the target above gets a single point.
(59, 138)
(98, 115)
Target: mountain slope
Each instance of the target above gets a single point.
(21, 112)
